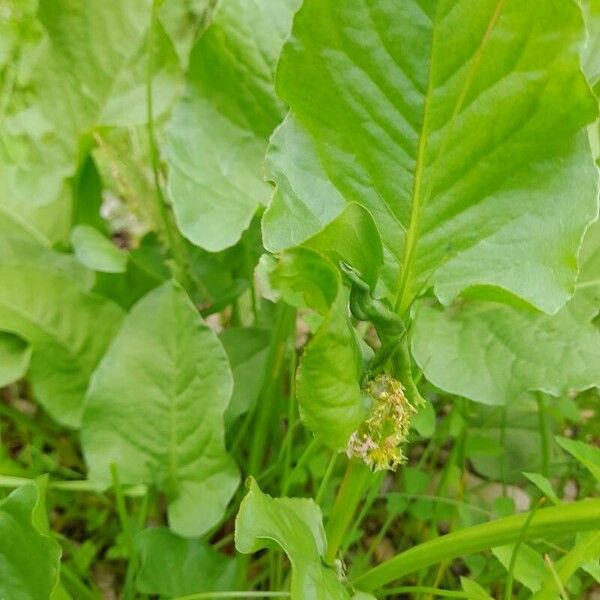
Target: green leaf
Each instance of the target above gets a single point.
(247, 350)
(91, 72)
(329, 394)
(530, 568)
(448, 121)
(29, 557)
(353, 238)
(513, 442)
(43, 225)
(219, 131)
(173, 566)
(588, 456)
(494, 354)
(97, 252)
(15, 354)
(295, 525)
(328, 389)
(547, 522)
(45, 301)
(184, 21)
(155, 409)
(585, 551)
(304, 278)
(543, 485)
(591, 51)
(424, 422)
(474, 589)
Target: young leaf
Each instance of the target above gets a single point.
(587, 455)
(294, 524)
(219, 131)
(155, 409)
(173, 566)
(448, 121)
(60, 324)
(328, 388)
(96, 252)
(329, 394)
(15, 354)
(29, 557)
(352, 237)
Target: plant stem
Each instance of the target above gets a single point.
(419, 589)
(314, 443)
(344, 507)
(325, 481)
(211, 595)
(127, 531)
(545, 441)
(171, 234)
(284, 324)
(75, 485)
(508, 588)
(556, 520)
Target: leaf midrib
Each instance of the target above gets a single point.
(404, 296)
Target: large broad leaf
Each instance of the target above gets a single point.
(295, 525)
(91, 72)
(173, 566)
(219, 132)
(45, 224)
(44, 299)
(155, 409)
(494, 353)
(29, 557)
(448, 120)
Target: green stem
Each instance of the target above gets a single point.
(171, 234)
(564, 519)
(326, 478)
(420, 589)
(127, 531)
(545, 440)
(284, 324)
(79, 485)
(508, 588)
(211, 595)
(83, 592)
(310, 448)
(344, 507)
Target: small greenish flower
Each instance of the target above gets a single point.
(377, 441)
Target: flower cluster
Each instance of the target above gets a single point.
(377, 441)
